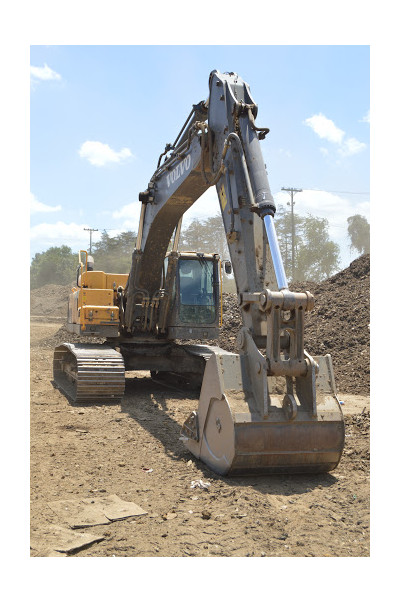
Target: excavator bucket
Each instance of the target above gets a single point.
(235, 434)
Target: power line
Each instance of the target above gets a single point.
(336, 191)
(331, 191)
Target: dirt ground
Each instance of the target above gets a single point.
(133, 450)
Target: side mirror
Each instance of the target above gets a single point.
(227, 267)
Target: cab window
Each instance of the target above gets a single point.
(197, 291)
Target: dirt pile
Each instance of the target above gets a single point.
(357, 446)
(339, 325)
(63, 336)
(50, 300)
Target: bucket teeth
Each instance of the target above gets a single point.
(89, 372)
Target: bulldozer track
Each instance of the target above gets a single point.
(89, 373)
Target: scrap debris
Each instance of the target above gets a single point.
(61, 539)
(89, 512)
(200, 484)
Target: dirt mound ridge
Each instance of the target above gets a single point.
(50, 300)
(63, 336)
(339, 325)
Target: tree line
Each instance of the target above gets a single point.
(316, 256)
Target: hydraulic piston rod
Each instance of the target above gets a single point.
(275, 252)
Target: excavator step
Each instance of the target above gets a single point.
(87, 372)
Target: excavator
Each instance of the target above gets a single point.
(153, 318)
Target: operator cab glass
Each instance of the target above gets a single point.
(197, 290)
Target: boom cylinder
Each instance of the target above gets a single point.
(275, 252)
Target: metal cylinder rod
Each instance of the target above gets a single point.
(275, 252)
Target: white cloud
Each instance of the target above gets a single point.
(325, 128)
(38, 207)
(44, 74)
(44, 235)
(206, 206)
(59, 230)
(73, 235)
(99, 154)
(366, 118)
(351, 146)
(325, 204)
(128, 216)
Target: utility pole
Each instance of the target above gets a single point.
(292, 193)
(91, 230)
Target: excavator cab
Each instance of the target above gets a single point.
(196, 307)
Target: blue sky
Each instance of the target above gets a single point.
(101, 115)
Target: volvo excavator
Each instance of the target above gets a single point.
(241, 425)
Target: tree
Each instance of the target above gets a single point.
(316, 256)
(208, 236)
(114, 253)
(358, 232)
(283, 225)
(57, 265)
(205, 236)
